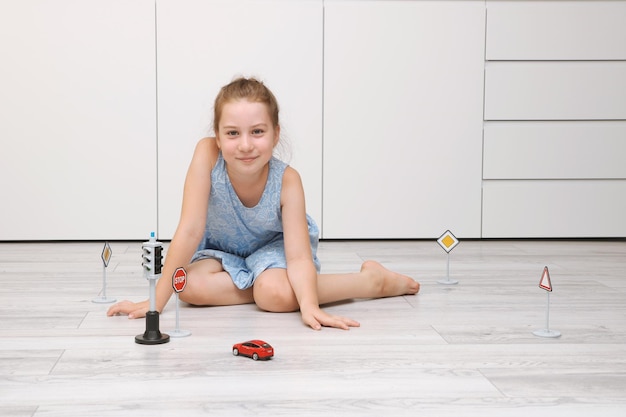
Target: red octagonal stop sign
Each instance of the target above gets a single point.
(179, 279)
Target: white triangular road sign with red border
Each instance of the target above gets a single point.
(545, 280)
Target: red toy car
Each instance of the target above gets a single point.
(255, 349)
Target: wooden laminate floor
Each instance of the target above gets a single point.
(462, 350)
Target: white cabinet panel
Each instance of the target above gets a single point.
(555, 90)
(203, 45)
(556, 30)
(553, 150)
(77, 119)
(555, 104)
(403, 85)
(567, 209)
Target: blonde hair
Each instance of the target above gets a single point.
(253, 90)
(249, 89)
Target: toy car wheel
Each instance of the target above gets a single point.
(235, 351)
(255, 356)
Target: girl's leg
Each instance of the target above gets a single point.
(372, 281)
(273, 292)
(209, 284)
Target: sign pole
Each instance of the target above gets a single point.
(546, 284)
(548, 312)
(104, 281)
(448, 241)
(106, 257)
(179, 281)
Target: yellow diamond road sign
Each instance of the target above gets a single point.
(448, 241)
(106, 254)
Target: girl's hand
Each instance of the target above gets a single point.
(316, 318)
(133, 310)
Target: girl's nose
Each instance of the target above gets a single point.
(245, 143)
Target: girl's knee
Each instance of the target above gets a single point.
(273, 292)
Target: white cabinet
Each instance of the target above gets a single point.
(403, 94)
(203, 45)
(494, 119)
(555, 119)
(77, 119)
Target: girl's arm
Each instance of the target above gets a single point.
(300, 267)
(189, 231)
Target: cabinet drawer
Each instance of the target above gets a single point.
(559, 209)
(556, 30)
(554, 150)
(555, 90)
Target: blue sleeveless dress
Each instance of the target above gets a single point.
(247, 240)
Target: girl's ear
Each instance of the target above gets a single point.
(217, 141)
(276, 134)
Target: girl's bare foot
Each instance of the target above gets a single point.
(389, 283)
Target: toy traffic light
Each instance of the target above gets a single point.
(152, 258)
(152, 262)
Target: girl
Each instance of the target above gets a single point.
(243, 228)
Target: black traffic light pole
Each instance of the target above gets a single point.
(152, 264)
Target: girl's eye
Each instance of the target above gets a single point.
(231, 133)
(257, 132)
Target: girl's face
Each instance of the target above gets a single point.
(246, 135)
